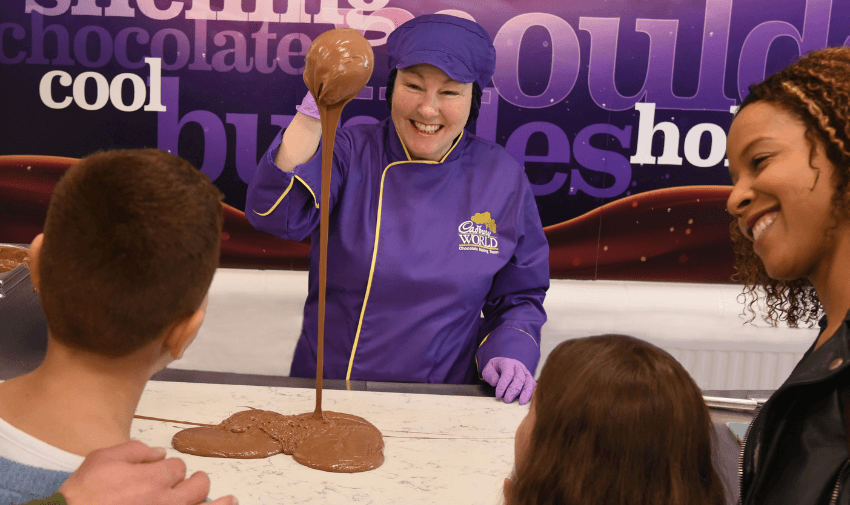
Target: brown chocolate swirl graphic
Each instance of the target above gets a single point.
(634, 238)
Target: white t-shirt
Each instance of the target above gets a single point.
(23, 448)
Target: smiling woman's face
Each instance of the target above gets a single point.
(783, 189)
(429, 110)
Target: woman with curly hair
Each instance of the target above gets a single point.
(789, 158)
(614, 420)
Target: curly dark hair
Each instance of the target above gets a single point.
(816, 90)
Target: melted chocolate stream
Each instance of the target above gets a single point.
(338, 65)
(330, 117)
(171, 421)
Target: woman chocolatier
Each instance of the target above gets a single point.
(430, 227)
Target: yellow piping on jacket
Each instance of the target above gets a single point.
(377, 234)
(285, 192)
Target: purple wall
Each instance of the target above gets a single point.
(579, 89)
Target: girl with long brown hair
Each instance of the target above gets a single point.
(614, 420)
(789, 158)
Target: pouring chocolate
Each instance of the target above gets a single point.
(338, 65)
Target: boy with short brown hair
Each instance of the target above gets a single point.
(130, 245)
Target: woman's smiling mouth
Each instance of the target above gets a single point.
(425, 128)
(763, 224)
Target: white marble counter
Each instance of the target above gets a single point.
(439, 449)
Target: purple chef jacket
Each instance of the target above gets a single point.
(417, 252)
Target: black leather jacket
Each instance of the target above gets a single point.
(795, 451)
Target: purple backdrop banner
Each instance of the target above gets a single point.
(600, 100)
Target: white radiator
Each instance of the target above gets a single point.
(713, 369)
(254, 319)
(699, 324)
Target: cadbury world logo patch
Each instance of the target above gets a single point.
(479, 234)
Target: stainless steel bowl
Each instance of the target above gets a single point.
(10, 279)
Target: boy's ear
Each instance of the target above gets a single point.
(34, 253)
(181, 335)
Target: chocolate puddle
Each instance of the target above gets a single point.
(338, 65)
(11, 257)
(337, 443)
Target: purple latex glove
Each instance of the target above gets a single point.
(511, 378)
(308, 107)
